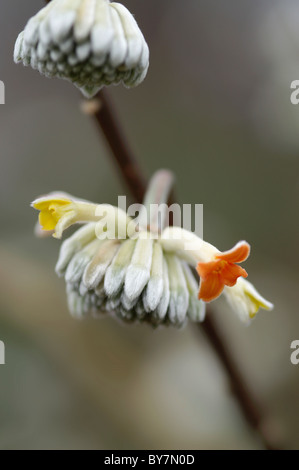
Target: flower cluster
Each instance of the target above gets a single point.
(139, 276)
(91, 43)
(134, 279)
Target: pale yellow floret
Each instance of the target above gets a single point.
(59, 213)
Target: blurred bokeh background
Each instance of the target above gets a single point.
(215, 108)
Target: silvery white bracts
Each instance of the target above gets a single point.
(135, 279)
(91, 43)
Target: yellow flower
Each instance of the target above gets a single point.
(52, 211)
(245, 300)
(58, 211)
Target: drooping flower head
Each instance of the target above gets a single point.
(142, 271)
(130, 276)
(91, 43)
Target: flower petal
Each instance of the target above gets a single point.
(44, 202)
(47, 220)
(63, 222)
(237, 254)
(206, 269)
(230, 274)
(211, 287)
(246, 300)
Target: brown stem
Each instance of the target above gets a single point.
(128, 165)
(136, 182)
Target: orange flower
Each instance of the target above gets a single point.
(222, 271)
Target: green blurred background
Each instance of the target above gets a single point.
(215, 108)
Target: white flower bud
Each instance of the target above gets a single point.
(95, 270)
(79, 262)
(154, 289)
(72, 245)
(162, 307)
(179, 295)
(139, 271)
(197, 308)
(91, 43)
(116, 272)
